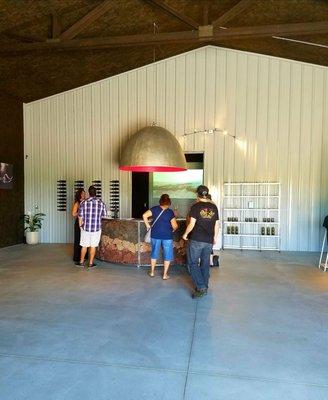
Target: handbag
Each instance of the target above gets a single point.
(147, 238)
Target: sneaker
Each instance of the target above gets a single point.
(79, 264)
(198, 293)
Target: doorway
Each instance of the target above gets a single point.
(140, 193)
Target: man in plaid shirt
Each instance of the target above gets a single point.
(90, 213)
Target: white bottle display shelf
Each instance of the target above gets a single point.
(251, 216)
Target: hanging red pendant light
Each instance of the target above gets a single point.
(153, 149)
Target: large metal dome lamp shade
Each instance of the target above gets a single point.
(153, 149)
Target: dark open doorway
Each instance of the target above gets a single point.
(140, 193)
(195, 158)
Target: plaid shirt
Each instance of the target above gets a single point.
(91, 211)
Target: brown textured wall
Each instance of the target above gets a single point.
(12, 152)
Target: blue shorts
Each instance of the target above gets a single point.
(167, 245)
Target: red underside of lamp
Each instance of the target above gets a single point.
(150, 168)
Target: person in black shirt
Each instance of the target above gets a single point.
(203, 228)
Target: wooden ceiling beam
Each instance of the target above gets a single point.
(86, 21)
(171, 11)
(232, 12)
(294, 29)
(173, 37)
(206, 11)
(23, 39)
(55, 26)
(104, 42)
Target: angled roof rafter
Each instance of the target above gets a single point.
(171, 11)
(232, 12)
(86, 21)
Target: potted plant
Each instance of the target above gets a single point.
(33, 223)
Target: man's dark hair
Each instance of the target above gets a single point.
(92, 191)
(202, 191)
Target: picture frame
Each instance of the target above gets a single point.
(6, 175)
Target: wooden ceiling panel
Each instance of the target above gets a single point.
(47, 74)
(34, 74)
(282, 12)
(138, 18)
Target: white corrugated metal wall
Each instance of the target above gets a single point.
(278, 110)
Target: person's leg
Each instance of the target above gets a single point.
(83, 253)
(94, 242)
(92, 252)
(166, 269)
(193, 255)
(205, 262)
(211, 259)
(155, 246)
(167, 256)
(152, 266)
(77, 238)
(84, 243)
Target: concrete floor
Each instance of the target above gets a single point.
(115, 333)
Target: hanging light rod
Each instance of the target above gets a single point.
(300, 41)
(210, 131)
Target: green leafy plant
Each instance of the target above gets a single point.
(33, 222)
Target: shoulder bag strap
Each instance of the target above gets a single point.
(157, 218)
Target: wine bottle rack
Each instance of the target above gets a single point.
(114, 196)
(251, 216)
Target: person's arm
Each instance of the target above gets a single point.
(174, 224)
(145, 217)
(104, 210)
(189, 228)
(216, 230)
(81, 215)
(75, 209)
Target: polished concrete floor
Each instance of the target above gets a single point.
(114, 333)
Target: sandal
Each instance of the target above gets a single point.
(150, 274)
(165, 278)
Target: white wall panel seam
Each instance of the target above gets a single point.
(311, 160)
(298, 244)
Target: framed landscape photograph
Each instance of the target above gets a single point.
(6, 176)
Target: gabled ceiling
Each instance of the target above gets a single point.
(49, 46)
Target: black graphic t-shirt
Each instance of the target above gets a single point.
(206, 214)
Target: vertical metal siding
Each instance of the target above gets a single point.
(278, 110)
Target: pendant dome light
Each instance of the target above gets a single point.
(153, 149)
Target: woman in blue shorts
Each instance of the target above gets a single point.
(161, 233)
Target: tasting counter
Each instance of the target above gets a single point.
(122, 242)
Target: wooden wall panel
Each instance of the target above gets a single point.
(277, 109)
